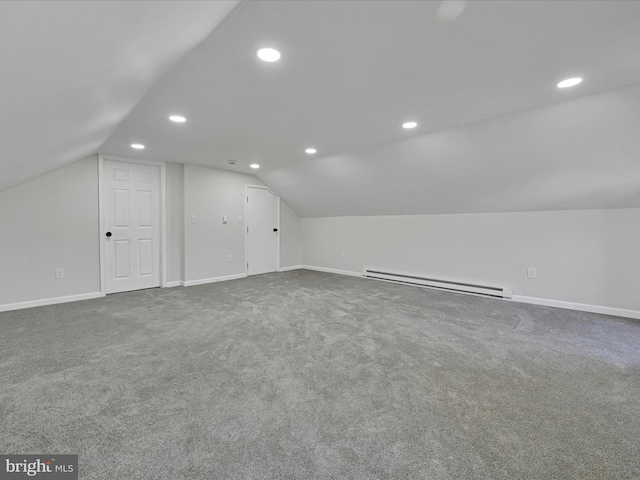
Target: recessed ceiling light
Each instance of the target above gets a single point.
(254, 165)
(569, 82)
(409, 125)
(177, 118)
(137, 146)
(451, 9)
(269, 54)
(311, 151)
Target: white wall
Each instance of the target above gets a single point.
(53, 222)
(47, 223)
(175, 222)
(290, 237)
(209, 194)
(573, 155)
(588, 257)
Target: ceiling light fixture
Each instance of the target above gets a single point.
(311, 151)
(569, 82)
(137, 146)
(254, 165)
(451, 9)
(409, 125)
(177, 118)
(268, 54)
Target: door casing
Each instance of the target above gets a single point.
(163, 218)
(246, 232)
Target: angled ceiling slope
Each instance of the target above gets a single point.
(72, 71)
(352, 72)
(582, 153)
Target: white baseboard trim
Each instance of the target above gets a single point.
(288, 269)
(49, 301)
(175, 283)
(332, 270)
(583, 307)
(202, 281)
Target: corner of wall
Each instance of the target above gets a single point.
(54, 221)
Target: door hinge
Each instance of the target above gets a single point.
(247, 229)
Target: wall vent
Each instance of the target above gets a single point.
(448, 285)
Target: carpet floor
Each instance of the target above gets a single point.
(307, 375)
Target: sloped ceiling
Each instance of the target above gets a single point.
(72, 71)
(494, 134)
(577, 154)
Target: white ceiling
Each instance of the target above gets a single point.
(351, 72)
(578, 154)
(72, 71)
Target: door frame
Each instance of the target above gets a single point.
(246, 230)
(163, 216)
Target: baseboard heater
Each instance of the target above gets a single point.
(459, 287)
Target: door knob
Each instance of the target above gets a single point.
(275, 229)
(109, 234)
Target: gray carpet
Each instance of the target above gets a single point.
(306, 375)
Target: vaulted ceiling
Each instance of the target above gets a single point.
(72, 71)
(479, 77)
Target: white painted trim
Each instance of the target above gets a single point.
(139, 161)
(202, 281)
(164, 262)
(288, 269)
(246, 230)
(279, 232)
(101, 245)
(164, 256)
(582, 307)
(49, 301)
(246, 224)
(175, 283)
(332, 270)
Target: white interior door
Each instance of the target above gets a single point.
(132, 226)
(262, 231)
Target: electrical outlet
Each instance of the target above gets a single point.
(224, 219)
(229, 258)
(194, 219)
(532, 272)
(59, 273)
